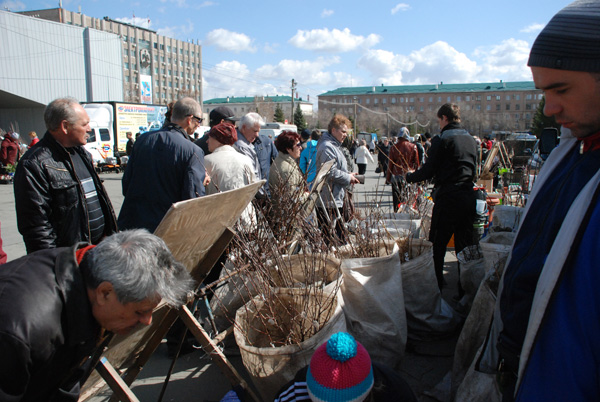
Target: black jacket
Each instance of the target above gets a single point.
(46, 327)
(451, 161)
(51, 209)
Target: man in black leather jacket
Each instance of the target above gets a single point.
(57, 305)
(59, 197)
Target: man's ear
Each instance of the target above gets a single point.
(103, 292)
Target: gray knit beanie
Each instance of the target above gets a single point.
(571, 40)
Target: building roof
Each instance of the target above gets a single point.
(252, 99)
(435, 88)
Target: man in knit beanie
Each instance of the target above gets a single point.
(548, 300)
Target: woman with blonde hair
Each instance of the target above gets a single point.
(362, 155)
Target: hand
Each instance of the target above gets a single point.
(206, 181)
(353, 179)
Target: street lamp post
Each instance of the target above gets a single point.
(355, 122)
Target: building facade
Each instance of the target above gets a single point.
(485, 107)
(44, 60)
(156, 69)
(263, 105)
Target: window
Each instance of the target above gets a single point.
(126, 78)
(375, 101)
(468, 98)
(508, 106)
(402, 100)
(155, 45)
(162, 70)
(527, 116)
(528, 106)
(488, 107)
(92, 136)
(162, 59)
(478, 107)
(126, 66)
(168, 49)
(384, 101)
(162, 47)
(439, 99)
(132, 53)
(169, 60)
(468, 107)
(517, 97)
(497, 97)
(393, 100)
(180, 63)
(104, 134)
(131, 39)
(125, 38)
(478, 98)
(170, 84)
(412, 100)
(368, 101)
(458, 98)
(421, 99)
(431, 99)
(156, 58)
(181, 74)
(517, 107)
(180, 51)
(169, 72)
(528, 97)
(421, 108)
(489, 97)
(448, 99)
(497, 107)
(507, 97)
(517, 116)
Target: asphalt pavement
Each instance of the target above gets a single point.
(195, 378)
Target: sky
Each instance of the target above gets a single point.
(257, 48)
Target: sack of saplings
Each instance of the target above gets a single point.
(496, 247)
(303, 270)
(373, 305)
(472, 271)
(428, 315)
(278, 333)
(475, 386)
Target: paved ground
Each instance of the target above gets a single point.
(195, 378)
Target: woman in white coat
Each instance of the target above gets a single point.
(362, 155)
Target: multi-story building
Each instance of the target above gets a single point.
(44, 60)
(156, 69)
(264, 105)
(484, 106)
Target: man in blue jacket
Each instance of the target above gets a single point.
(165, 167)
(549, 301)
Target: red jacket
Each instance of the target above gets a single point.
(404, 157)
(9, 151)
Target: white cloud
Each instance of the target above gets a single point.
(400, 7)
(535, 27)
(324, 40)
(440, 62)
(137, 21)
(506, 61)
(270, 47)
(169, 32)
(12, 5)
(326, 13)
(226, 40)
(306, 72)
(178, 3)
(206, 4)
(232, 78)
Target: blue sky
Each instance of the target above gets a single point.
(256, 48)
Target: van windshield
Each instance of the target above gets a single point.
(104, 135)
(92, 135)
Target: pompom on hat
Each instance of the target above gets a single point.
(225, 133)
(340, 370)
(571, 40)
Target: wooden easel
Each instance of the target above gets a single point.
(120, 384)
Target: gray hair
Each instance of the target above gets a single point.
(185, 107)
(58, 110)
(139, 266)
(251, 119)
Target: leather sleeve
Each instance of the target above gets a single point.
(32, 199)
(14, 368)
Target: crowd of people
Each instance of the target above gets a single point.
(88, 273)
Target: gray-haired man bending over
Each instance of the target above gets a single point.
(56, 306)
